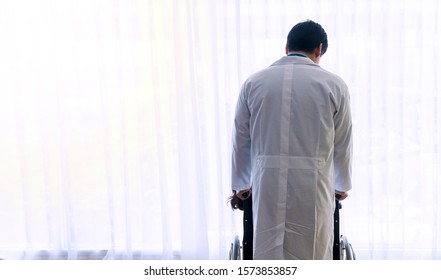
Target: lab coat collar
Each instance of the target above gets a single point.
(294, 60)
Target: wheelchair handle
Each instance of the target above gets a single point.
(337, 201)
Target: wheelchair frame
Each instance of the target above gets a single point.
(342, 249)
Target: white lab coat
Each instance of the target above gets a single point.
(292, 143)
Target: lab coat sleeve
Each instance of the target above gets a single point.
(241, 146)
(343, 144)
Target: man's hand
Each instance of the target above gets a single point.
(342, 195)
(244, 194)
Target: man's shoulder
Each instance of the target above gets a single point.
(330, 76)
(264, 72)
(275, 71)
(259, 75)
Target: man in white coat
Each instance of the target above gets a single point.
(292, 148)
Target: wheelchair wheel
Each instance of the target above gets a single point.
(346, 250)
(235, 249)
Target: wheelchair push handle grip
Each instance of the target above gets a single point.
(337, 201)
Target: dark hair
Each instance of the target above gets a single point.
(306, 36)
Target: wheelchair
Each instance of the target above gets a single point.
(342, 249)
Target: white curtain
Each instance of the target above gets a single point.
(116, 116)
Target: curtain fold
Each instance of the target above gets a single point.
(116, 117)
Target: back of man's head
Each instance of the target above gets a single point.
(307, 36)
